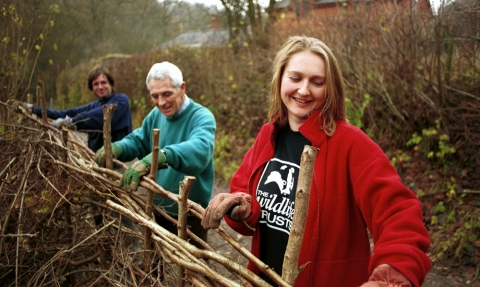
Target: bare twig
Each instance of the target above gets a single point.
(67, 192)
(471, 191)
(23, 185)
(7, 166)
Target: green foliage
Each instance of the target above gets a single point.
(455, 224)
(142, 107)
(399, 158)
(224, 165)
(433, 145)
(440, 208)
(457, 245)
(355, 112)
(451, 217)
(471, 77)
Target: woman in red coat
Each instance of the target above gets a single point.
(354, 186)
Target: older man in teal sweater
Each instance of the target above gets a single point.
(187, 135)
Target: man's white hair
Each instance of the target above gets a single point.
(160, 71)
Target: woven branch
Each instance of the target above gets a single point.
(64, 220)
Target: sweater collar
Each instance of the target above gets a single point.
(105, 99)
(186, 104)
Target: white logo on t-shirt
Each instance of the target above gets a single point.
(277, 201)
(285, 186)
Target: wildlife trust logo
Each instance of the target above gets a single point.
(276, 194)
(285, 186)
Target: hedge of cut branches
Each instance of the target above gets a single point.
(64, 221)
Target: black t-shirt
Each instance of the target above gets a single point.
(276, 195)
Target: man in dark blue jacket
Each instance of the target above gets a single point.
(89, 117)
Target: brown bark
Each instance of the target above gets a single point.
(290, 270)
(108, 111)
(41, 97)
(185, 187)
(149, 203)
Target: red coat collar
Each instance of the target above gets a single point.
(311, 129)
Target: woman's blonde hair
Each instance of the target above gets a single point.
(334, 106)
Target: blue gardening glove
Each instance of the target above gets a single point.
(62, 122)
(14, 105)
(387, 276)
(100, 154)
(131, 177)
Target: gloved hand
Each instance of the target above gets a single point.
(387, 276)
(236, 205)
(14, 104)
(100, 154)
(65, 122)
(131, 177)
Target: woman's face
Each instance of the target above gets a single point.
(303, 86)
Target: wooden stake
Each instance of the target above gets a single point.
(41, 97)
(65, 144)
(185, 187)
(290, 262)
(108, 111)
(149, 202)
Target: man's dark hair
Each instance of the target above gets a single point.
(97, 71)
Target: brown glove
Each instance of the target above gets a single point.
(236, 205)
(387, 276)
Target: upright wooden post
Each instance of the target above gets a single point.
(65, 144)
(41, 96)
(290, 268)
(108, 111)
(3, 109)
(149, 203)
(184, 191)
(107, 144)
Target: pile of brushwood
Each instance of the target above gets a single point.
(65, 222)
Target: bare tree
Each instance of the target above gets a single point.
(24, 28)
(248, 21)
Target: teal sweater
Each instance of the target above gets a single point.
(188, 141)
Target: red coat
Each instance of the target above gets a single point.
(354, 186)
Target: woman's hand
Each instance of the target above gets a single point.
(387, 276)
(236, 205)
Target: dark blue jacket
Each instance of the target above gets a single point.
(89, 118)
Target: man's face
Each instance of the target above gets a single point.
(101, 87)
(165, 96)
